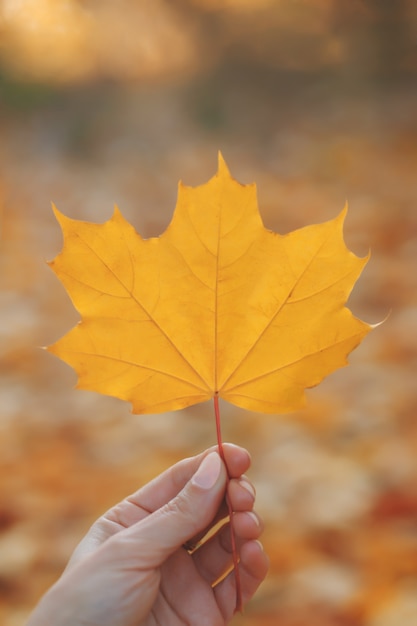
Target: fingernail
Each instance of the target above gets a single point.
(233, 445)
(208, 472)
(254, 517)
(248, 486)
(259, 544)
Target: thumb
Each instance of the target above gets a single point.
(156, 537)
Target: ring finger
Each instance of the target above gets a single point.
(214, 558)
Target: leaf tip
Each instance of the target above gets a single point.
(60, 217)
(222, 168)
(117, 214)
(50, 349)
(376, 324)
(57, 213)
(342, 215)
(341, 219)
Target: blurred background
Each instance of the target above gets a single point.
(113, 102)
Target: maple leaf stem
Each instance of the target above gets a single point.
(235, 555)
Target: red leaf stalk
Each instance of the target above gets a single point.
(235, 554)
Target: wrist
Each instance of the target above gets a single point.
(51, 611)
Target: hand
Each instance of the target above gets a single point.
(132, 569)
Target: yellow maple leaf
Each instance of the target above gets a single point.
(217, 306)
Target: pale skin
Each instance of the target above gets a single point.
(132, 569)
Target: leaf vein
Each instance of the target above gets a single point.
(290, 363)
(276, 313)
(152, 318)
(188, 266)
(137, 365)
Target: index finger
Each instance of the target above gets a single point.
(167, 485)
(154, 495)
